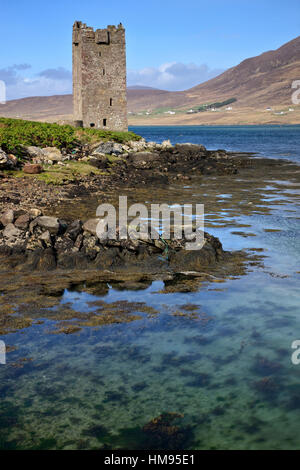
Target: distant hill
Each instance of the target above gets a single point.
(264, 80)
(39, 107)
(256, 83)
(140, 87)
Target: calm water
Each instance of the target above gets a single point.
(227, 368)
(270, 141)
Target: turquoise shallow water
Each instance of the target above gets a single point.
(227, 369)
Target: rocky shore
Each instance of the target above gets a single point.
(46, 176)
(31, 241)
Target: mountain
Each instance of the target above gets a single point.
(262, 81)
(39, 107)
(256, 83)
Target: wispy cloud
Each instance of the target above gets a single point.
(10, 74)
(59, 73)
(172, 76)
(20, 84)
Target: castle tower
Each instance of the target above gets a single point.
(99, 77)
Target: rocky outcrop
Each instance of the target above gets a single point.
(32, 241)
(7, 161)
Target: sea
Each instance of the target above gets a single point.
(218, 358)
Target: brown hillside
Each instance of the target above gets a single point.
(256, 83)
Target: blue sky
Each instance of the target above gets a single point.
(171, 44)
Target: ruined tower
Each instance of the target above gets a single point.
(99, 77)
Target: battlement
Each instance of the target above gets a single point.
(82, 32)
(99, 76)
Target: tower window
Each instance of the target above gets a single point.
(100, 54)
(104, 122)
(92, 124)
(103, 71)
(110, 102)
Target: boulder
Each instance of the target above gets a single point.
(48, 223)
(46, 239)
(7, 217)
(166, 144)
(13, 159)
(22, 222)
(11, 231)
(109, 148)
(90, 226)
(33, 152)
(188, 147)
(6, 161)
(34, 212)
(74, 229)
(143, 159)
(32, 168)
(52, 154)
(137, 146)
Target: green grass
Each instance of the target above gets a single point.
(58, 175)
(199, 108)
(16, 133)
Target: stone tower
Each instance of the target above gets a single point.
(99, 77)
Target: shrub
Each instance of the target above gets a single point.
(16, 133)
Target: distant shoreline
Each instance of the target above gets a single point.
(212, 125)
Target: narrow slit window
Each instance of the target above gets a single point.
(104, 122)
(110, 102)
(103, 71)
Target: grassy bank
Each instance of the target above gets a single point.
(16, 133)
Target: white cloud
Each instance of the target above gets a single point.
(169, 76)
(172, 76)
(48, 82)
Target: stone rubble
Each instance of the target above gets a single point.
(29, 243)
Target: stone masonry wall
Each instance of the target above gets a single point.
(99, 77)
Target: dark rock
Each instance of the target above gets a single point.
(7, 162)
(143, 159)
(63, 244)
(74, 229)
(22, 222)
(47, 260)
